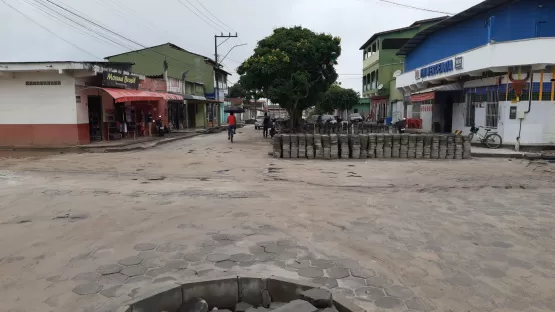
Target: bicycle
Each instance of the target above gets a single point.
(490, 139)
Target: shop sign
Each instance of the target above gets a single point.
(459, 62)
(175, 85)
(436, 69)
(117, 80)
(211, 96)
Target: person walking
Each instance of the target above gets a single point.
(266, 125)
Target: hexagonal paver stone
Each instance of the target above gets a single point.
(109, 269)
(256, 250)
(134, 270)
(352, 282)
(274, 249)
(389, 303)
(158, 271)
(325, 281)
(379, 281)
(217, 257)
(264, 257)
(241, 257)
(144, 247)
(362, 273)
(226, 264)
(286, 255)
(337, 273)
(177, 256)
(87, 277)
(87, 289)
(138, 279)
(298, 264)
(347, 263)
(369, 293)
(134, 260)
(349, 293)
(311, 272)
(177, 264)
(319, 297)
(419, 304)
(113, 279)
(297, 306)
(322, 264)
(400, 292)
(194, 257)
(167, 248)
(242, 306)
(111, 292)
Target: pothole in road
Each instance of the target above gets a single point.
(242, 294)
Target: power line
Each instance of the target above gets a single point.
(415, 8)
(204, 20)
(219, 20)
(48, 30)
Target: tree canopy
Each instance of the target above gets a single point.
(292, 67)
(237, 91)
(337, 97)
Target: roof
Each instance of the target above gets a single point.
(64, 65)
(173, 46)
(462, 16)
(71, 62)
(412, 26)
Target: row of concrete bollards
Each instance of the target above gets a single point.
(373, 145)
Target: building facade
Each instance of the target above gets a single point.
(55, 104)
(188, 74)
(380, 65)
(488, 66)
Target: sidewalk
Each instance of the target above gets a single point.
(134, 145)
(503, 153)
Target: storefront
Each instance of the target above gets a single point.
(503, 80)
(118, 110)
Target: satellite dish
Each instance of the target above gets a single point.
(380, 87)
(397, 73)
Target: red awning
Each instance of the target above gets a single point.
(423, 97)
(124, 95)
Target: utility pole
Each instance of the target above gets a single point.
(216, 45)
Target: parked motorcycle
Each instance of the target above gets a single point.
(160, 126)
(273, 128)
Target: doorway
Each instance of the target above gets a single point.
(191, 115)
(95, 117)
(448, 115)
(173, 114)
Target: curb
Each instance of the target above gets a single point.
(531, 156)
(141, 147)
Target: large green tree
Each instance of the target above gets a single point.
(237, 91)
(337, 97)
(292, 67)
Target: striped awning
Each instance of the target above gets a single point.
(125, 95)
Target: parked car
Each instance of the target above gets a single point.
(355, 117)
(329, 119)
(259, 123)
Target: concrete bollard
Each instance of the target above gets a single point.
(395, 145)
(379, 145)
(318, 148)
(419, 147)
(310, 146)
(467, 147)
(442, 147)
(450, 146)
(412, 146)
(354, 144)
(428, 146)
(334, 146)
(372, 145)
(363, 146)
(276, 144)
(302, 145)
(344, 146)
(294, 146)
(326, 143)
(435, 147)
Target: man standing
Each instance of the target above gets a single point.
(231, 124)
(266, 125)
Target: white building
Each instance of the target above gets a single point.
(462, 71)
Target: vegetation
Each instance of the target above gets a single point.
(293, 67)
(337, 97)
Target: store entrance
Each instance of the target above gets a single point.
(191, 115)
(95, 117)
(173, 114)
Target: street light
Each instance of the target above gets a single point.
(235, 46)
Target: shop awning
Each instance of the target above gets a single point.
(124, 95)
(423, 97)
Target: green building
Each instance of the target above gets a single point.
(380, 63)
(189, 74)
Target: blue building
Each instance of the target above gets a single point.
(492, 65)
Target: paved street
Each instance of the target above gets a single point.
(84, 232)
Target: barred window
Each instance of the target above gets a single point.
(470, 112)
(416, 110)
(492, 109)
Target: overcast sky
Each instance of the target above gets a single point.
(156, 22)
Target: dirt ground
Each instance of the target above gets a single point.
(471, 235)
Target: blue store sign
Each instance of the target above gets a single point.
(436, 69)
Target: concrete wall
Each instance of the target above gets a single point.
(40, 115)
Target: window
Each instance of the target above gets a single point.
(416, 110)
(469, 111)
